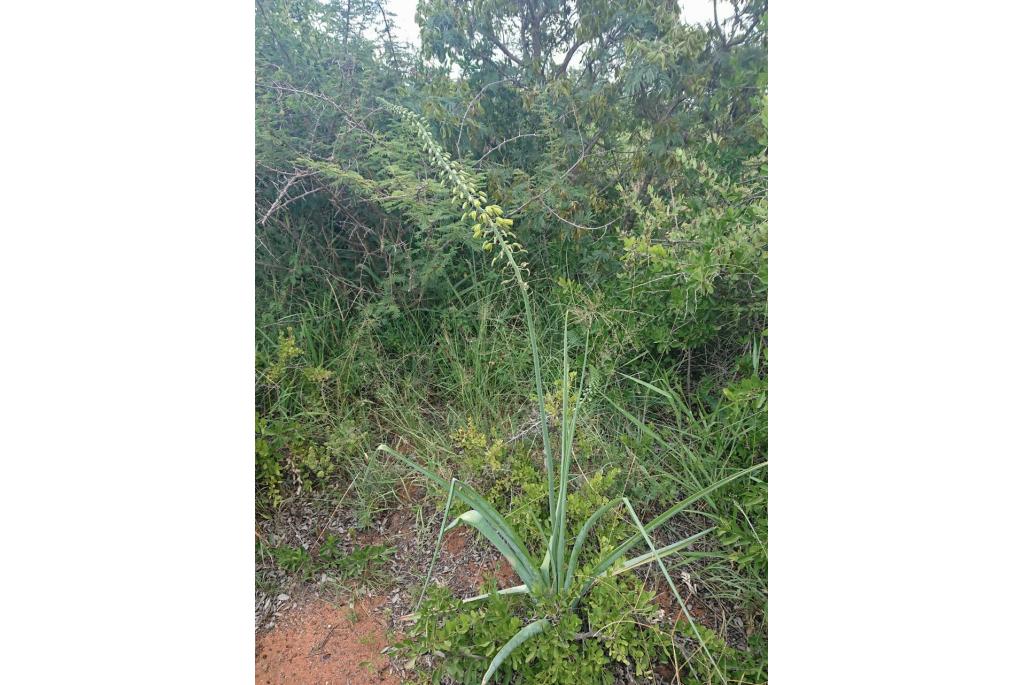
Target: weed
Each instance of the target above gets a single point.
(364, 563)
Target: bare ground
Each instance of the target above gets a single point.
(324, 644)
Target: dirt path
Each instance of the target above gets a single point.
(321, 644)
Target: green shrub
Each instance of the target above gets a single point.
(284, 449)
(615, 625)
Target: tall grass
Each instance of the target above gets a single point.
(692, 448)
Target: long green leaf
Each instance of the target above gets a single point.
(467, 494)
(672, 398)
(515, 590)
(579, 392)
(640, 560)
(558, 530)
(647, 558)
(661, 552)
(634, 540)
(437, 546)
(473, 518)
(664, 393)
(519, 638)
(539, 385)
(644, 428)
(672, 585)
(570, 570)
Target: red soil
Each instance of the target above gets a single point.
(320, 644)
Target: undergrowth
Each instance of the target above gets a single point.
(599, 286)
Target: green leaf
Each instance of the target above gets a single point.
(467, 494)
(517, 557)
(633, 541)
(519, 638)
(661, 553)
(437, 547)
(656, 556)
(516, 590)
(581, 538)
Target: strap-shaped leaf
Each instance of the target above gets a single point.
(471, 497)
(519, 638)
(644, 428)
(515, 590)
(437, 547)
(559, 532)
(642, 559)
(672, 586)
(558, 528)
(463, 491)
(574, 558)
(545, 566)
(636, 539)
(664, 393)
(661, 552)
(515, 557)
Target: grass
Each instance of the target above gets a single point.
(417, 395)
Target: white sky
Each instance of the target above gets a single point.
(694, 12)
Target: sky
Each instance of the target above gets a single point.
(694, 12)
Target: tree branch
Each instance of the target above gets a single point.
(470, 106)
(504, 50)
(507, 140)
(568, 57)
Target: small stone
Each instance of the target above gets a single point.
(282, 598)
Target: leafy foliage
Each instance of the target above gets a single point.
(620, 613)
(587, 178)
(360, 563)
(553, 583)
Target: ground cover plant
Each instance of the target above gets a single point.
(515, 280)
